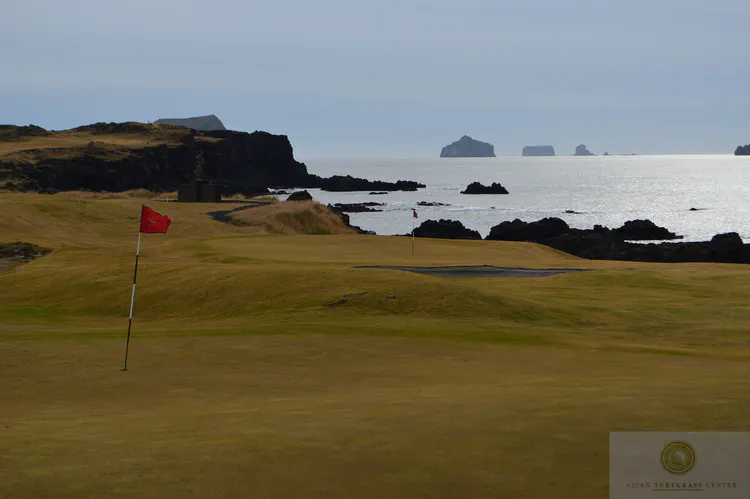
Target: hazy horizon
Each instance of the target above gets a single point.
(392, 79)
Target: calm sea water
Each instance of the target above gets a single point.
(604, 190)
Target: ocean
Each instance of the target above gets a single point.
(606, 190)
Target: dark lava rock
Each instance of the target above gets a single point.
(727, 247)
(279, 193)
(572, 212)
(21, 251)
(345, 183)
(356, 207)
(377, 193)
(644, 230)
(445, 229)
(300, 196)
(742, 151)
(466, 147)
(478, 188)
(241, 163)
(12, 132)
(601, 243)
(425, 203)
(518, 230)
(538, 151)
(582, 151)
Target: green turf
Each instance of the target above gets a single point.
(268, 366)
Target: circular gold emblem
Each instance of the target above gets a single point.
(678, 457)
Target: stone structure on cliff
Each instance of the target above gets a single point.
(538, 151)
(466, 147)
(203, 123)
(199, 192)
(582, 151)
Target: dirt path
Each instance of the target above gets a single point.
(223, 215)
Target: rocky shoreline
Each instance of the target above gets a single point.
(602, 243)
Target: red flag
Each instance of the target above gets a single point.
(415, 213)
(152, 222)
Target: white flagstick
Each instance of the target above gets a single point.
(132, 301)
(412, 232)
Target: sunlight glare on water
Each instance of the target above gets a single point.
(607, 190)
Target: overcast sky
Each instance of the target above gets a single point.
(392, 78)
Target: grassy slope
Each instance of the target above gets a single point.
(268, 366)
(72, 143)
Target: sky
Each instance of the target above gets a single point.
(391, 78)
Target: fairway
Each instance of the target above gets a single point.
(269, 365)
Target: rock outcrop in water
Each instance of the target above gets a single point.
(478, 188)
(356, 207)
(204, 123)
(538, 151)
(742, 151)
(466, 147)
(300, 196)
(582, 151)
(601, 243)
(347, 183)
(159, 158)
(445, 229)
(644, 230)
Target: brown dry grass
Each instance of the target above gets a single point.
(267, 366)
(296, 217)
(71, 143)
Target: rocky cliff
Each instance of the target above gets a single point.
(582, 151)
(742, 151)
(204, 123)
(466, 147)
(122, 156)
(538, 151)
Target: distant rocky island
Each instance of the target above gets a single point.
(742, 151)
(582, 151)
(538, 151)
(466, 147)
(203, 123)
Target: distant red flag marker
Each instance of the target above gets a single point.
(152, 222)
(415, 213)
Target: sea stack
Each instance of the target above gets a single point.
(582, 151)
(466, 147)
(538, 151)
(742, 151)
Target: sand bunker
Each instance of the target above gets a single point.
(477, 271)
